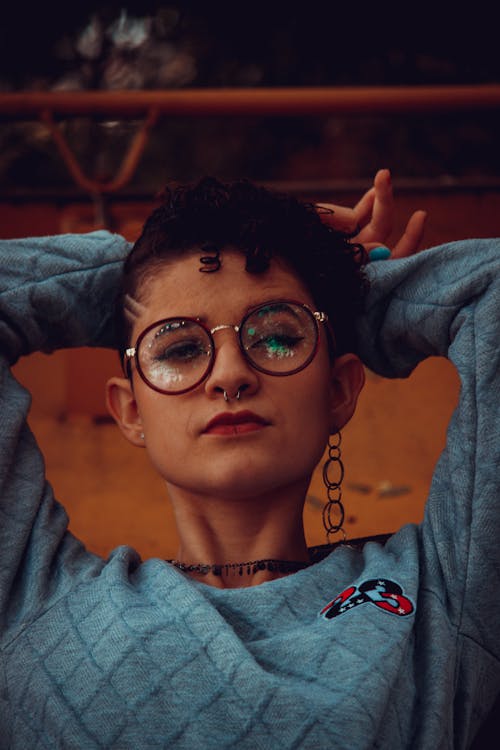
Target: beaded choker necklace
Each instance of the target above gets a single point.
(316, 553)
(249, 567)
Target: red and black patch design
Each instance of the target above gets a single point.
(381, 592)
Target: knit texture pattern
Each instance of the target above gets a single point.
(130, 655)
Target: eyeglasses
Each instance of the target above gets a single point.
(174, 355)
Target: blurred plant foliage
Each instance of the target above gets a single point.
(141, 45)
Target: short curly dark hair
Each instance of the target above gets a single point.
(262, 224)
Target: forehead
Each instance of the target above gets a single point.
(178, 288)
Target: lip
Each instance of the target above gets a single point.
(235, 423)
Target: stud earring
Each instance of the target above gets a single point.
(333, 474)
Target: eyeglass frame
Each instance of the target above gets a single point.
(317, 316)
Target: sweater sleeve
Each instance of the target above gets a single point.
(446, 301)
(57, 292)
(54, 292)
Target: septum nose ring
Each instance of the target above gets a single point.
(236, 396)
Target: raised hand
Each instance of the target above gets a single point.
(372, 218)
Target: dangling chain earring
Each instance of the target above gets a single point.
(333, 511)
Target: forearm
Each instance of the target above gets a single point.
(58, 291)
(417, 306)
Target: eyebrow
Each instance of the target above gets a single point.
(277, 307)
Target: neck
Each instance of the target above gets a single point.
(216, 531)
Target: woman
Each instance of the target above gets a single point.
(233, 381)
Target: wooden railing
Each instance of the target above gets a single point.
(250, 101)
(150, 106)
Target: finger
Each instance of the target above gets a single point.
(412, 236)
(348, 220)
(380, 225)
(339, 217)
(364, 208)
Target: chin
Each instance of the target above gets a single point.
(250, 482)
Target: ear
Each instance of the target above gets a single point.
(122, 406)
(347, 380)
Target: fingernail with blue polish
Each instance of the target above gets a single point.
(379, 253)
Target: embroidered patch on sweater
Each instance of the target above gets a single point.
(385, 594)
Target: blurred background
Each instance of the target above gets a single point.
(446, 161)
(187, 45)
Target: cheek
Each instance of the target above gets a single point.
(167, 421)
(308, 404)
(307, 436)
(164, 427)
(155, 410)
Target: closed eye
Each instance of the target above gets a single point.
(277, 344)
(180, 352)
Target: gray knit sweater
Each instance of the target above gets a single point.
(393, 646)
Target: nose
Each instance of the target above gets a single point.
(231, 372)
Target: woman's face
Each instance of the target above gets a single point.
(285, 421)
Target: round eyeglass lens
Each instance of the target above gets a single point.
(279, 338)
(175, 354)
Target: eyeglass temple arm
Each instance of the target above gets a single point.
(322, 317)
(128, 355)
